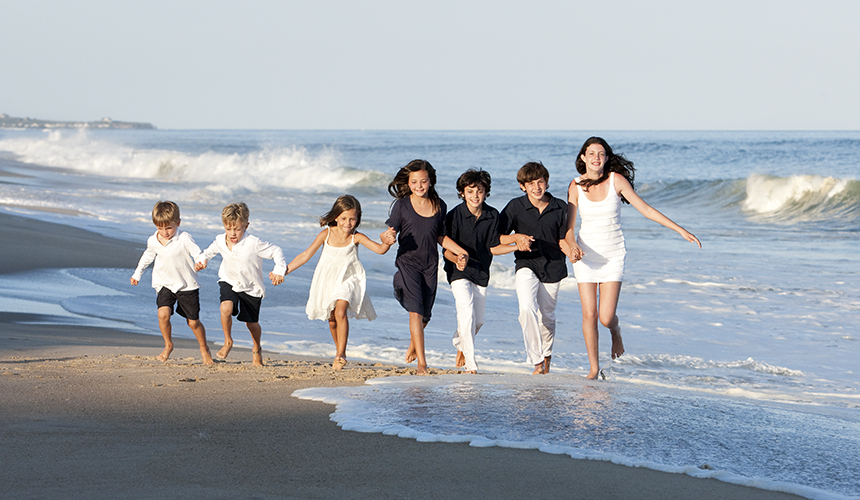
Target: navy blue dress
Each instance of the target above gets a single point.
(417, 259)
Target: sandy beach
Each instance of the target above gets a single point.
(90, 413)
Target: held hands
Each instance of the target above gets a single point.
(576, 254)
(277, 279)
(388, 237)
(199, 266)
(524, 242)
(462, 259)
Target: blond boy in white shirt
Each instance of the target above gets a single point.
(241, 275)
(173, 276)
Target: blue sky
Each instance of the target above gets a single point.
(617, 65)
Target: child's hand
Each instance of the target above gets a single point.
(277, 279)
(134, 282)
(388, 237)
(462, 259)
(576, 254)
(200, 266)
(524, 243)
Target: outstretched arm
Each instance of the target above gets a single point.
(623, 187)
(380, 248)
(305, 256)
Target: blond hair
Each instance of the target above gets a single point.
(165, 212)
(235, 213)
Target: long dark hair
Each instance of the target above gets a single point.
(614, 163)
(399, 187)
(341, 205)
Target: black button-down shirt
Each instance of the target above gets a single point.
(548, 227)
(476, 236)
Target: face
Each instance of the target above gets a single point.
(235, 231)
(594, 158)
(419, 183)
(347, 220)
(168, 229)
(535, 189)
(474, 196)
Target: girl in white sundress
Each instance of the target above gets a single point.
(339, 288)
(598, 251)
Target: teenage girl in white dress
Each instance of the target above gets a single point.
(339, 286)
(598, 251)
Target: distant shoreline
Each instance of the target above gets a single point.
(12, 122)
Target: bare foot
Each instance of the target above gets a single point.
(592, 375)
(546, 362)
(421, 370)
(339, 363)
(411, 355)
(617, 343)
(460, 360)
(207, 356)
(256, 358)
(165, 354)
(538, 369)
(224, 351)
(473, 372)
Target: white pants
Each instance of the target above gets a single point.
(537, 314)
(470, 300)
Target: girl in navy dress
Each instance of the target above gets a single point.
(418, 216)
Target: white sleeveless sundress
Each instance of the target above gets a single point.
(600, 238)
(339, 275)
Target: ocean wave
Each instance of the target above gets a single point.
(285, 167)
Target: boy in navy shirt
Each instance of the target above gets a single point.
(538, 222)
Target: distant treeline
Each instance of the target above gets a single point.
(7, 121)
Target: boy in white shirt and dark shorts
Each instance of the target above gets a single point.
(241, 275)
(173, 276)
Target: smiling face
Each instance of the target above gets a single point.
(234, 231)
(594, 159)
(535, 189)
(419, 183)
(347, 221)
(474, 196)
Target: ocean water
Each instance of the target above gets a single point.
(742, 357)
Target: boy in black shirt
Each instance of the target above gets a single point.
(474, 226)
(539, 223)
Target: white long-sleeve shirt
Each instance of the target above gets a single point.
(174, 262)
(242, 267)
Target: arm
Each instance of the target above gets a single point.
(570, 247)
(269, 251)
(502, 249)
(203, 259)
(623, 187)
(450, 245)
(146, 259)
(380, 248)
(302, 258)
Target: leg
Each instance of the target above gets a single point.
(256, 350)
(166, 332)
(200, 333)
(527, 289)
(416, 333)
(547, 299)
(342, 333)
(227, 326)
(588, 299)
(464, 292)
(609, 294)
